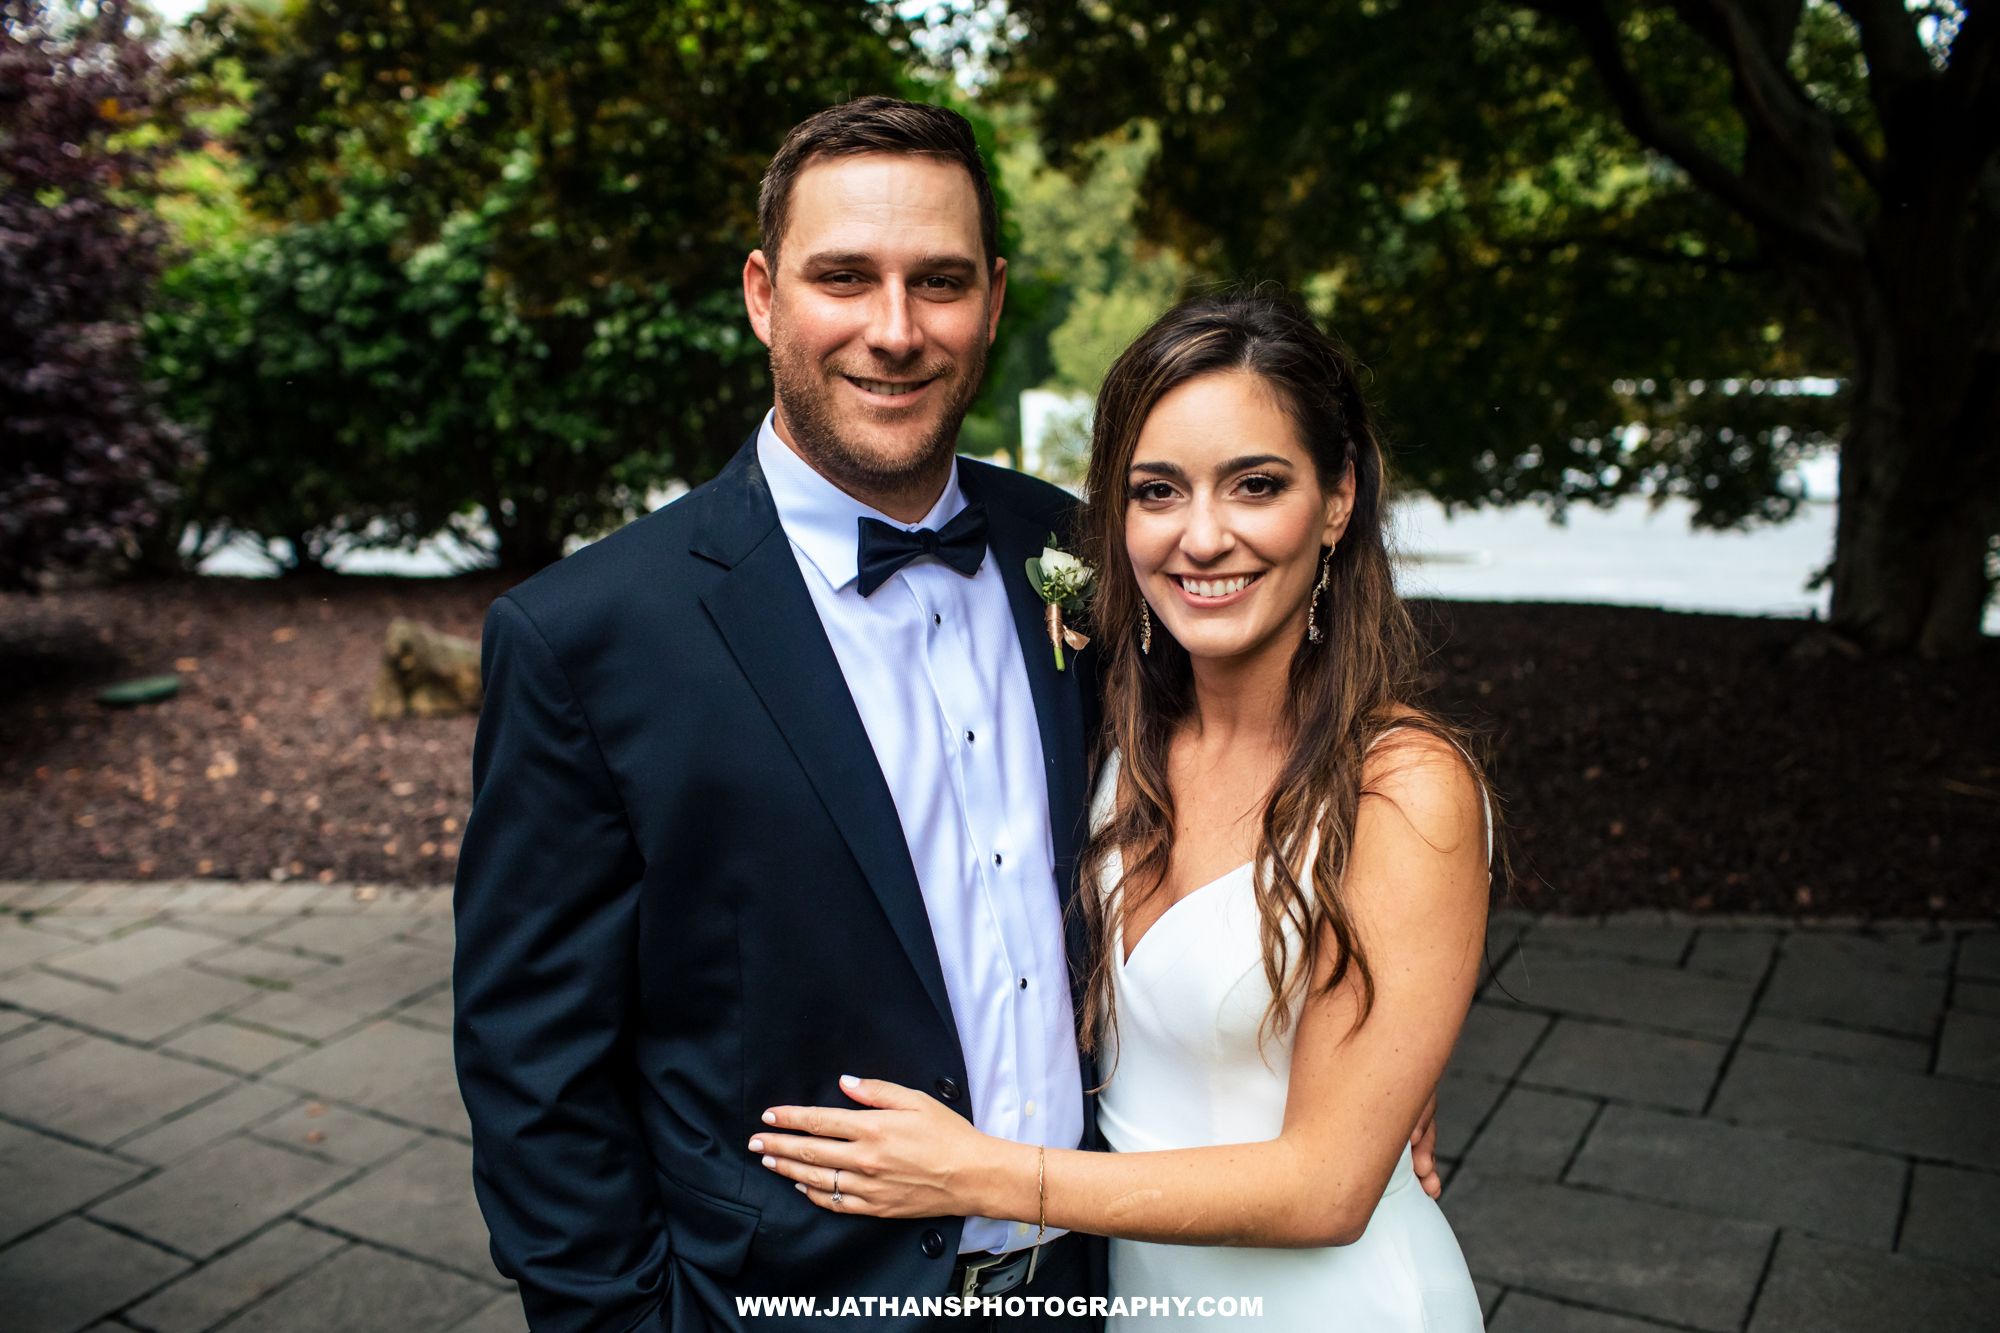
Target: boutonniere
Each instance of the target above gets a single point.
(1063, 581)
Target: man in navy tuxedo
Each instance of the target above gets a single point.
(783, 783)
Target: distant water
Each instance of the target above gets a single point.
(1630, 555)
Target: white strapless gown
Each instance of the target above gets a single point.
(1188, 1072)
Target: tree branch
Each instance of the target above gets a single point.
(1650, 253)
(1760, 67)
(1758, 207)
(1889, 40)
(1726, 27)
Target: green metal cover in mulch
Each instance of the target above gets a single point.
(145, 690)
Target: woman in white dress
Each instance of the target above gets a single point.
(1291, 864)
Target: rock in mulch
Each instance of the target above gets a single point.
(425, 674)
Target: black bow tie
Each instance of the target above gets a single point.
(886, 549)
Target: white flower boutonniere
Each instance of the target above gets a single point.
(1064, 583)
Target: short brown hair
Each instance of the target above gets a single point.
(875, 125)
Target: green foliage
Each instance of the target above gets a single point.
(1451, 186)
(647, 125)
(1079, 226)
(1081, 285)
(354, 389)
(507, 269)
(201, 197)
(287, 352)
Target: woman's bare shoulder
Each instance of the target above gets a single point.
(1411, 740)
(1428, 778)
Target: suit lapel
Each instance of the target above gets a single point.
(767, 617)
(1013, 538)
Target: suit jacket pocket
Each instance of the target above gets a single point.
(710, 1233)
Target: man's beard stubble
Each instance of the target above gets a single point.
(805, 392)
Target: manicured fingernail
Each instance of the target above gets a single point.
(770, 1161)
(770, 1117)
(849, 1081)
(800, 1188)
(756, 1145)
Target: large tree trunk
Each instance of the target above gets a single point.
(1912, 279)
(1910, 551)
(1920, 464)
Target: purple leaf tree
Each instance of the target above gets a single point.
(86, 459)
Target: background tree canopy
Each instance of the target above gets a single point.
(1080, 285)
(1580, 243)
(444, 259)
(510, 270)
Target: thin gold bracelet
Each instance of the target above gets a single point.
(1041, 1191)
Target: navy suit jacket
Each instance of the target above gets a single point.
(684, 896)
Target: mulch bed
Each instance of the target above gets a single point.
(1645, 758)
(265, 765)
(1727, 764)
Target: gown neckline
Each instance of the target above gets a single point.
(1125, 955)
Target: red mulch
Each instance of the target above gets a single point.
(1646, 758)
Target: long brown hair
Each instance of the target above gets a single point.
(1357, 682)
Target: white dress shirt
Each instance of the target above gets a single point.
(934, 665)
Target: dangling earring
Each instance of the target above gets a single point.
(1145, 627)
(1313, 631)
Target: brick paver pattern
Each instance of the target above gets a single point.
(233, 1105)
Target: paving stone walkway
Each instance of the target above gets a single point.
(233, 1106)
